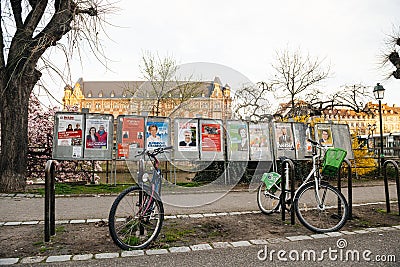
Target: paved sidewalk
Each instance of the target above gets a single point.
(31, 208)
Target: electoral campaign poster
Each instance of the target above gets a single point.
(132, 132)
(157, 134)
(69, 130)
(187, 136)
(97, 133)
(211, 137)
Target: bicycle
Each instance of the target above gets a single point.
(319, 206)
(137, 214)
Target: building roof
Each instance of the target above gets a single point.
(142, 89)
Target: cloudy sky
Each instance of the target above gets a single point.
(245, 35)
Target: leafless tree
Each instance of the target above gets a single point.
(352, 97)
(251, 102)
(390, 55)
(28, 30)
(163, 84)
(296, 76)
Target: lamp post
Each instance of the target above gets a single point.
(379, 93)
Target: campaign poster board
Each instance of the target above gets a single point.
(237, 140)
(186, 139)
(260, 142)
(99, 136)
(211, 140)
(130, 136)
(323, 134)
(68, 136)
(284, 140)
(303, 148)
(341, 137)
(158, 134)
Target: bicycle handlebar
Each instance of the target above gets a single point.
(154, 152)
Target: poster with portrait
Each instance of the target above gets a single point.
(131, 135)
(237, 140)
(284, 136)
(259, 142)
(324, 134)
(97, 134)
(238, 136)
(187, 136)
(69, 130)
(157, 133)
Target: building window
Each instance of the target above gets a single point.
(89, 94)
(112, 94)
(101, 94)
(97, 105)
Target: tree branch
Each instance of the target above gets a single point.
(17, 12)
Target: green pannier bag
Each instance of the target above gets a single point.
(332, 161)
(271, 180)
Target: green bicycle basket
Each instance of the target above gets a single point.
(271, 180)
(332, 161)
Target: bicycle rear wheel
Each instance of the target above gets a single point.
(330, 216)
(269, 201)
(135, 218)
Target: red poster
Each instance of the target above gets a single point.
(211, 137)
(132, 135)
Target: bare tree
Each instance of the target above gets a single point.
(158, 72)
(28, 30)
(295, 75)
(163, 85)
(353, 97)
(251, 102)
(391, 53)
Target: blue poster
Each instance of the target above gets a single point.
(157, 134)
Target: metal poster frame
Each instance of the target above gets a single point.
(103, 147)
(211, 139)
(237, 140)
(130, 136)
(186, 139)
(261, 145)
(67, 140)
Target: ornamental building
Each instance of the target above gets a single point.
(188, 99)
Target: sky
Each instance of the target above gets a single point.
(244, 36)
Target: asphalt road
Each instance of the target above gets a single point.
(371, 249)
(95, 207)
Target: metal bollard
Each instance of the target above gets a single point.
(349, 187)
(289, 174)
(386, 183)
(49, 201)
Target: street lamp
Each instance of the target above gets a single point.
(379, 93)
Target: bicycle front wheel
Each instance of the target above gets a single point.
(135, 218)
(269, 200)
(328, 216)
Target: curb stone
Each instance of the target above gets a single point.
(198, 247)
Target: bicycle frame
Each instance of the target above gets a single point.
(316, 174)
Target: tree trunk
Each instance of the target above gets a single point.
(14, 137)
